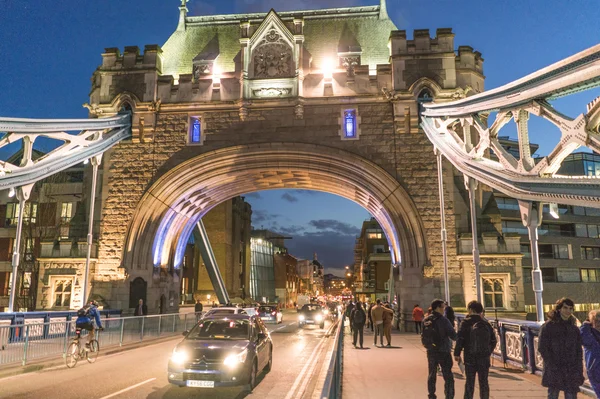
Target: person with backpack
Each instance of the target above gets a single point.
(436, 336)
(359, 318)
(561, 348)
(590, 336)
(85, 315)
(477, 338)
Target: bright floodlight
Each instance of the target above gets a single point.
(216, 74)
(327, 68)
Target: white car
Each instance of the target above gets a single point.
(250, 311)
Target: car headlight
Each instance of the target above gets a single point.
(235, 359)
(301, 317)
(319, 317)
(179, 357)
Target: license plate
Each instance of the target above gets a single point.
(266, 318)
(309, 322)
(201, 384)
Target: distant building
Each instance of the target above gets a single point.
(333, 284)
(373, 263)
(228, 226)
(286, 278)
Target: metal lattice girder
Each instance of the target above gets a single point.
(96, 136)
(208, 256)
(451, 125)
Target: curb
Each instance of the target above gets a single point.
(50, 362)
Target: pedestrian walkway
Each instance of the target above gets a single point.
(401, 372)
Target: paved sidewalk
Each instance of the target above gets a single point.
(401, 372)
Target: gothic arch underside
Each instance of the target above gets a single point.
(170, 209)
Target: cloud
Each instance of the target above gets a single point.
(289, 197)
(291, 231)
(252, 195)
(333, 250)
(335, 225)
(262, 216)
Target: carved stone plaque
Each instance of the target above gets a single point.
(273, 57)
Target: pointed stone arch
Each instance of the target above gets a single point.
(167, 213)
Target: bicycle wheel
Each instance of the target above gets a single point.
(72, 355)
(92, 354)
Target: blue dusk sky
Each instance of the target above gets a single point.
(50, 49)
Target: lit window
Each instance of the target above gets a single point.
(350, 123)
(195, 135)
(66, 212)
(590, 275)
(62, 292)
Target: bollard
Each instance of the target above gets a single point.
(122, 326)
(26, 345)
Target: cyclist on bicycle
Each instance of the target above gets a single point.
(85, 316)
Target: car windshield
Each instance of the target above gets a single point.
(220, 329)
(266, 309)
(311, 308)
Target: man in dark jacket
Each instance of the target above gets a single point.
(141, 309)
(358, 319)
(560, 347)
(477, 354)
(349, 309)
(440, 355)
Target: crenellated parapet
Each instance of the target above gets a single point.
(428, 68)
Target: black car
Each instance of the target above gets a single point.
(311, 314)
(222, 351)
(270, 313)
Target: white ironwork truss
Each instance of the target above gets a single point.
(451, 127)
(96, 136)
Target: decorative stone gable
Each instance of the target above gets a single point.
(270, 62)
(273, 57)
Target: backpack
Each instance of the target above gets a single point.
(479, 339)
(430, 336)
(359, 317)
(83, 311)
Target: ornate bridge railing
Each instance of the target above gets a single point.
(466, 132)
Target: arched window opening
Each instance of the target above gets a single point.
(424, 97)
(493, 293)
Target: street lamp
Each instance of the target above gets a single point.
(208, 297)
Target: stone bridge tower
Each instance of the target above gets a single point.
(324, 99)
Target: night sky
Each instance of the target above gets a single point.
(50, 49)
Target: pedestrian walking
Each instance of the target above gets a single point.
(561, 348)
(359, 318)
(377, 316)
(436, 336)
(349, 309)
(449, 314)
(387, 324)
(418, 315)
(590, 336)
(371, 305)
(476, 337)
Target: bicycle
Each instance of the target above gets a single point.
(76, 351)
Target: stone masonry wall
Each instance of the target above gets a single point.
(133, 167)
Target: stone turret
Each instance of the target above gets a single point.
(434, 58)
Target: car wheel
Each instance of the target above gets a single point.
(322, 325)
(269, 365)
(252, 379)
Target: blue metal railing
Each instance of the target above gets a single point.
(332, 388)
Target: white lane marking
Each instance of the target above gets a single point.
(310, 373)
(127, 389)
(308, 362)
